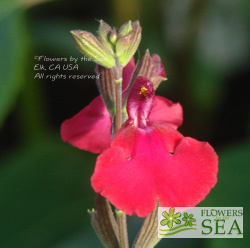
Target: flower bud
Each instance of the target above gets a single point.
(151, 68)
(104, 32)
(123, 44)
(104, 224)
(160, 74)
(129, 38)
(125, 29)
(113, 36)
(90, 46)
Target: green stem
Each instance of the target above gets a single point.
(118, 97)
(148, 235)
(117, 123)
(104, 223)
(102, 220)
(118, 108)
(122, 224)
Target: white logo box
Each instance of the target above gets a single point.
(204, 222)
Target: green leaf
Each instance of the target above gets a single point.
(13, 51)
(7, 7)
(44, 194)
(232, 189)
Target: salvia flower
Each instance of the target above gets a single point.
(90, 128)
(150, 162)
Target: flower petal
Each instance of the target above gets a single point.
(170, 224)
(165, 214)
(177, 215)
(165, 111)
(154, 163)
(121, 176)
(176, 221)
(191, 170)
(140, 101)
(164, 222)
(171, 212)
(90, 128)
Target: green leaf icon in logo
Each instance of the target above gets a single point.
(170, 218)
(189, 219)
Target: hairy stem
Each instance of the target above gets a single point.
(122, 224)
(118, 98)
(148, 235)
(117, 123)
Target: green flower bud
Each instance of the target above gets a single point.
(90, 46)
(104, 32)
(113, 36)
(123, 44)
(127, 45)
(125, 29)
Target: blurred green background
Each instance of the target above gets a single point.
(44, 183)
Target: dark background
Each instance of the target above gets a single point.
(44, 183)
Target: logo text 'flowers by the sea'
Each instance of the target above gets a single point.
(200, 222)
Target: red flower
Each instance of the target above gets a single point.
(90, 128)
(149, 162)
